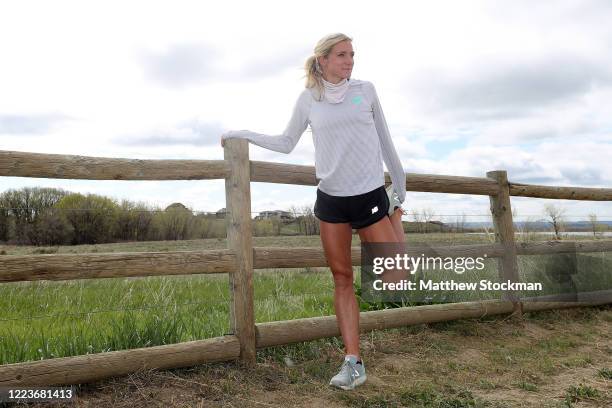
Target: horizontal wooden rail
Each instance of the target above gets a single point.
(113, 265)
(63, 166)
(93, 367)
(312, 328)
(435, 183)
(269, 172)
(14, 268)
(300, 257)
(305, 175)
(566, 193)
(306, 329)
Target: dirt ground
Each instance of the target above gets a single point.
(559, 358)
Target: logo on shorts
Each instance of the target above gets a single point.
(375, 209)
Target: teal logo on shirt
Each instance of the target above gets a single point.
(356, 100)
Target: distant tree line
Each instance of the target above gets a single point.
(51, 216)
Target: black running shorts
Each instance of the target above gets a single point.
(359, 210)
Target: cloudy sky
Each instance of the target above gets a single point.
(466, 87)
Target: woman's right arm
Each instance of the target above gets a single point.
(285, 142)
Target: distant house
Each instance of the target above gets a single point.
(221, 213)
(276, 214)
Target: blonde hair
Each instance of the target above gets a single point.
(312, 67)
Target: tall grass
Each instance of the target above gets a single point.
(46, 319)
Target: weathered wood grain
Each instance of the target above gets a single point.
(64, 166)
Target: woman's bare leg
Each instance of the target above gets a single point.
(388, 229)
(336, 240)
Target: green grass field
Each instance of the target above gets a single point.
(45, 319)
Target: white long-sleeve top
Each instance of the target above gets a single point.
(351, 140)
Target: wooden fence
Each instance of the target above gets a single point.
(241, 258)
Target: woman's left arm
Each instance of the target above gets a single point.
(392, 160)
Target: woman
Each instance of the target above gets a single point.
(350, 135)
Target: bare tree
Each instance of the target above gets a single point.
(308, 223)
(556, 218)
(427, 214)
(417, 219)
(295, 211)
(595, 226)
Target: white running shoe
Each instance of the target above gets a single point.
(393, 199)
(350, 376)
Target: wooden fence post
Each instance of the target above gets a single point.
(504, 234)
(239, 240)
